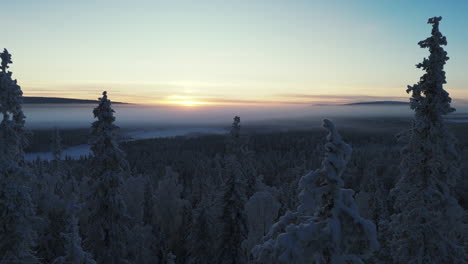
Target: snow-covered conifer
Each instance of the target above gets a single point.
(169, 208)
(52, 209)
(171, 258)
(148, 200)
(17, 214)
(141, 243)
(57, 148)
(74, 253)
(425, 210)
(261, 211)
(134, 197)
(232, 199)
(107, 155)
(234, 141)
(326, 228)
(12, 125)
(108, 222)
(233, 222)
(237, 145)
(201, 235)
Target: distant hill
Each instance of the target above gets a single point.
(58, 100)
(379, 103)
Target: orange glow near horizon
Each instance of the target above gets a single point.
(178, 100)
(186, 103)
(191, 100)
(208, 54)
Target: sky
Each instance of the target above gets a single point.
(219, 52)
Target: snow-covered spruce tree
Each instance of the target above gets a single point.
(141, 243)
(372, 201)
(74, 253)
(141, 239)
(169, 208)
(108, 222)
(261, 211)
(232, 220)
(171, 258)
(12, 126)
(64, 184)
(51, 208)
(17, 214)
(234, 141)
(57, 148)
(148, 200)
(201, 235)
(183, 242)
(425, 209)
(237, 146)
(326, 228)
(107, 155)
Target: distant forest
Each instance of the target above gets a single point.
(384, 191)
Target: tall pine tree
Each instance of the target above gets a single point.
(56, 145)
(233, 198)
(17, 214)
(108, 222)
(424, 220)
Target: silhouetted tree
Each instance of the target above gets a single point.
(108, 222)
(17, 214)
(425, 209)
(233, 198)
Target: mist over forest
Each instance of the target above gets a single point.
(297, 183)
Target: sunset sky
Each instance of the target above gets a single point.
(229, 52)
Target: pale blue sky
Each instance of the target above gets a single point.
(228, 51)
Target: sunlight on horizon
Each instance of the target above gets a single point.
(221, 52)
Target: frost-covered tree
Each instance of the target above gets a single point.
(426, 211)
(108, 222)
(12, 125)
(57, 148)
(169, 208)
(231, 205)
(261, 211)
(326, 228)
(373, 204)
(74, 253)
(51, 208)
(171, 258)
(202, 186)
(233, 220)
(237, 146)
(148, 200)
(107, 155)
(201, 235)
(17, 214)
(234, 141)
(373, 197)
(134, 197)
(140, 245)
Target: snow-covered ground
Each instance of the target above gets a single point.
(76, 152)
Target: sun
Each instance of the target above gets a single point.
(183, 101)
(189, 103)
